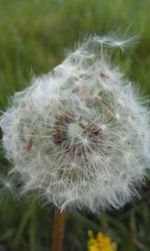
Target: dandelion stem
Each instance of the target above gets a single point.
(58, 230)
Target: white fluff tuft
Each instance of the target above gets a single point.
(80, 134)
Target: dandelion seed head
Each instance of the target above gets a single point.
(80, 134)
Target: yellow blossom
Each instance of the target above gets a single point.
(100, 242)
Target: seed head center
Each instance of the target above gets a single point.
(74, 130)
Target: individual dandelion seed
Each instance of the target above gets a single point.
(80, 134)
(7, 190)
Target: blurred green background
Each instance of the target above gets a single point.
(33, 37)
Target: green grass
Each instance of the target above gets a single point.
(33, 37)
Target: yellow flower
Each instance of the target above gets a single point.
(100, 242)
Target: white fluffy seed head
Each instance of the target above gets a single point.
(80, 134)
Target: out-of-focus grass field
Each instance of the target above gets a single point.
(33, 37)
